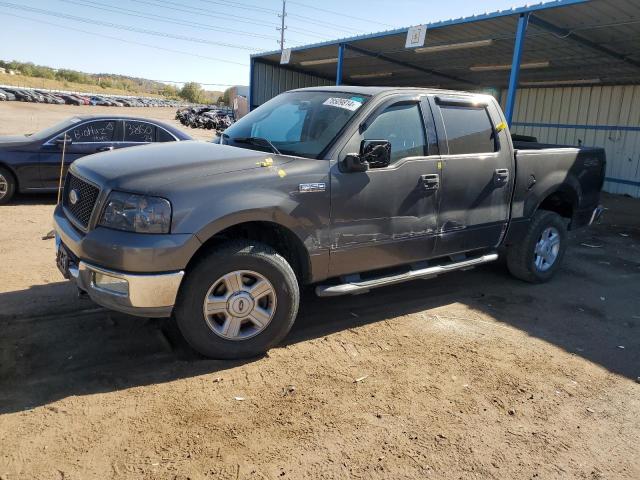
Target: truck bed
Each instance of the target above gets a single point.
(541, 168)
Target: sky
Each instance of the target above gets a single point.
(205, 41)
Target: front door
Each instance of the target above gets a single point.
(387, 216)
(84, 139)
(477, 175)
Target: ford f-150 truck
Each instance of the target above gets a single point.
(344, 188)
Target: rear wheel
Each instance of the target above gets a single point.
(238, 301)
(539, 255)
(7, 186)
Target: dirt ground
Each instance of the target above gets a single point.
(470, 375)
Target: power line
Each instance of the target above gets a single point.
(344, 15)
(227, 17)
(125, 27)
(200, 12)
(323, 24)
(139, 14)
(243, 6)
(131, 42)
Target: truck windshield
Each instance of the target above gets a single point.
(296, 123)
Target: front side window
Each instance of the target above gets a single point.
(469, 130)
(139, 132)
(403, 127)
(297, 123)
(93, 132)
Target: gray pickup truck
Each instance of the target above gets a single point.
(344, 188)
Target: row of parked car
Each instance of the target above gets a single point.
(210, 118)
(44, 96)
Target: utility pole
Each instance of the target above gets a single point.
(282, 25)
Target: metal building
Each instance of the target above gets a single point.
(566, 71)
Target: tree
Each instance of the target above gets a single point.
(226, 98)
(192, 92)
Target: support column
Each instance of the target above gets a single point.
(523, 21)
(250, 98)
(340, 63)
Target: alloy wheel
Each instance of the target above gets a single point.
(239, 305)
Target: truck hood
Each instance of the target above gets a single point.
(149, 167)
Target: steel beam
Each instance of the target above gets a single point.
(521, 33)
(408, 65)
(585, 42)
(339, 68)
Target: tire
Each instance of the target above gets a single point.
(7, 186)
(227, 333)
(523, 260)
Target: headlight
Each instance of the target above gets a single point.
(137, 213)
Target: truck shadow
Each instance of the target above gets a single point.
(48, 357)
(33, 199)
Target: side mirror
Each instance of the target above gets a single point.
(376, 152)
(354, 162)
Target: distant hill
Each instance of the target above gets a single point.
(28, 74)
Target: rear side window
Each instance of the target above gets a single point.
(164, 136)
(469, 130)
(139, 132)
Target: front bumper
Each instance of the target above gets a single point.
(150, 267)
(144, 295)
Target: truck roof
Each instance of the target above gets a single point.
(378, 90)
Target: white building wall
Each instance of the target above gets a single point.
(606, 117)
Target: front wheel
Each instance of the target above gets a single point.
(7, 186)
(238, 301)
(539, 254)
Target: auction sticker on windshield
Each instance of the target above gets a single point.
(345, 103)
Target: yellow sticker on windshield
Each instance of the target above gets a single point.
(282, 173)
(500, 127)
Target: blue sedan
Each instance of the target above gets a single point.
(31, 163)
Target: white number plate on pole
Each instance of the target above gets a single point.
(285, 56)
(416, 36)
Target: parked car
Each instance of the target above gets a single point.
(8, 95)
(31, 163)
(346, 188)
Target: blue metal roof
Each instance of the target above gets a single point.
(434, 25)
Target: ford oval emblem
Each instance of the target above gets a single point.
(73, 197)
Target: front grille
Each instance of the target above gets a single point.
(86, 195)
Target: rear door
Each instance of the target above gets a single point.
(387, 216)
(477, 174)
(85, 139)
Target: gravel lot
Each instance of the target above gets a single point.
(470, 375)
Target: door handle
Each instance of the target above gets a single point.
(501, 176)
(430, 181)
(104, 149)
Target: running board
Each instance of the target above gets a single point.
(365, 285)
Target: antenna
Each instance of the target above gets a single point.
(282, 27)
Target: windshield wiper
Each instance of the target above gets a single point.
(258, 141)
